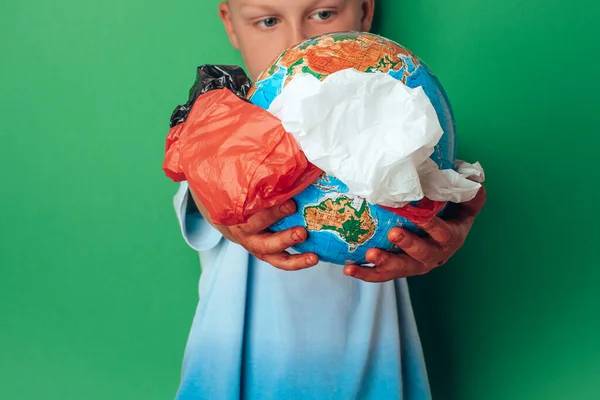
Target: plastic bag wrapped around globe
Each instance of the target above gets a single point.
(341, 226)
(237, 158)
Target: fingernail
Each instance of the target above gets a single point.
(285, 209)
(398, 237)
(309, 261)
(296, 236)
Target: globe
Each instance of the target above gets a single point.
(342, 227)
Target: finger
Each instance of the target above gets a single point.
(469, 209)
(387, 267)
(291, 262)
(473, 206)
(367, 274)
(421, 249)
(267, 217)
(395, 265)
(271, 243)
(440, 231)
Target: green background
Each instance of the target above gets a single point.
(97, 288)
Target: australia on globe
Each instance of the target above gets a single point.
(341, 226)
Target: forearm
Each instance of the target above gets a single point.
(202, 210)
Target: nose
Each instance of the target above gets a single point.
(296, 35)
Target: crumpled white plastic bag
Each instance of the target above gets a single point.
(373, 133)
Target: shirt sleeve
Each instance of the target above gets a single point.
(198, 233)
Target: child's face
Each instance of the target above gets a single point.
(262, 29)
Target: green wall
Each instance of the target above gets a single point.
(97, 288)
(516, 314)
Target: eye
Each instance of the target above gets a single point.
(323, 15)
(267, 22)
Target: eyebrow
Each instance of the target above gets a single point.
(269, 8)
(244, 7)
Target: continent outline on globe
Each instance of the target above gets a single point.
(354, 226)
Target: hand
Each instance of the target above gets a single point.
(422, 254)
(264, 245)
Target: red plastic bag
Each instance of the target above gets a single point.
(421, 213)
(237, 158)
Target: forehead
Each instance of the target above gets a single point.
(284, 3)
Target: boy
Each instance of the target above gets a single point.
(324, 331)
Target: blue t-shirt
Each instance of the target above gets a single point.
(261, 333)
